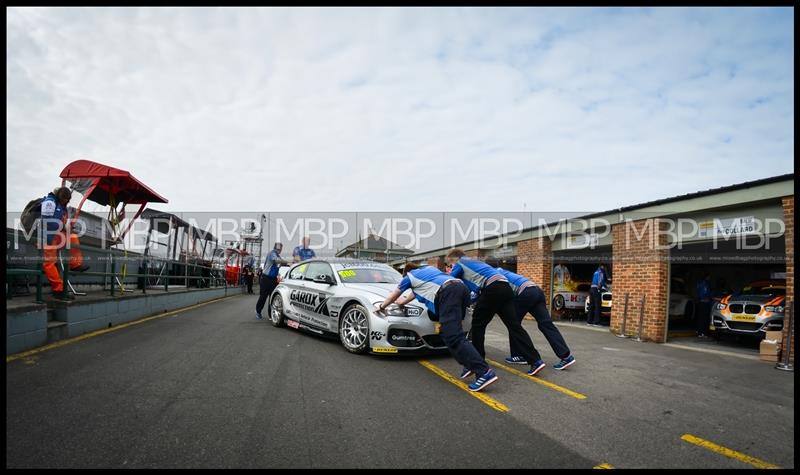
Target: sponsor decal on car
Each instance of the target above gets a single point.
(404, 337)
(361, 264)
(303, 298)
(376, 335)
(310, 301)
(292, 324)
(384, 350)
(437, 327)
(413, 311)
(743, 318)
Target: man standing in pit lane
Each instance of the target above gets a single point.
(494, 297)
(446, 298)
(703, 314)
(530, 299)
(598, 284)
(269, 278)
(303, 252)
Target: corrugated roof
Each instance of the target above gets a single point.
(673, 199)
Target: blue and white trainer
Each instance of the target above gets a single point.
(515, 360)
(259, 317)
(480, 384)
(465, 373)
(565, 363)
(536, 367)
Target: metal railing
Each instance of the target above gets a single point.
(26, 259)
(10, 281)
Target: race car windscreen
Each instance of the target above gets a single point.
(765, 289)
(370, 275)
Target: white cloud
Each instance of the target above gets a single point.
(401, 109)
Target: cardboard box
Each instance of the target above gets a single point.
(774, 335)
(769, 348)
(771, 358)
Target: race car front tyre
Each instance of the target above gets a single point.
(354, 329)
(276, 316)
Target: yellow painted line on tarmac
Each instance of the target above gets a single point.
(85, 336)
(494, 404)
(757, 463)
(539, 380)
(604, 465)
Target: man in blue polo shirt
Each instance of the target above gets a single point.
(494, 297)
(303, 252)
(447, 300)
(269, 278)
(598, 284)
(530, 299)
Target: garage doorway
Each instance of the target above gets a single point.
(733, 270)
(571, 280)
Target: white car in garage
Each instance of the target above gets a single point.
(570, 297)
(680, 304)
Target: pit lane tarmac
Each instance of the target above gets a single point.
(212, 387)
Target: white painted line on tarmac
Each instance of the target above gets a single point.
(713, 352)
(582, 326)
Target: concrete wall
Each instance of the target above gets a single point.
(29, 330)
(26, 329)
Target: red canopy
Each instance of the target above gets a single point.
(110, 182)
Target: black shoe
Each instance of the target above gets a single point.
(82, 268)
(63, 296)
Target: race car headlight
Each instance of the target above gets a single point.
(393, 310)
(721, 306)
(777, 309)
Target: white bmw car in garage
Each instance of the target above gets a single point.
(337, 297)
(680, 304)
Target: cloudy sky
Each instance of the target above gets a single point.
(462, 109)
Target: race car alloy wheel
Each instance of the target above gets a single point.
(558, 303)
(276, 311)
(354, 329)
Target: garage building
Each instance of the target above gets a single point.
(656, 252)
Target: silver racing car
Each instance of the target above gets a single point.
(338, 296)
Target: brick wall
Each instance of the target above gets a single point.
(788, 219)
(535, 261)
(437, 262)
(474, 253)
(640, 268)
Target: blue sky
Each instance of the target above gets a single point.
(418, 109)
